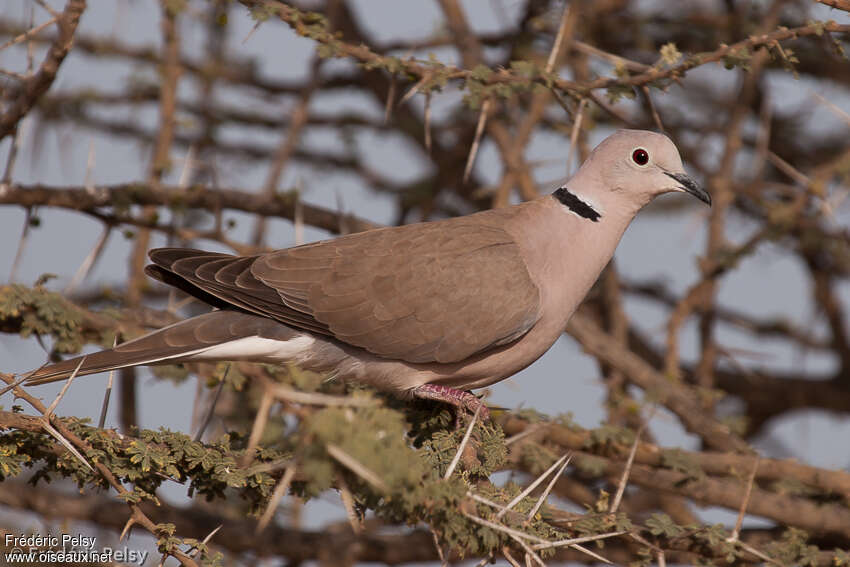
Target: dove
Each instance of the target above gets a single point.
(429, 310)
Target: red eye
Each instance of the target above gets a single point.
(640, 157)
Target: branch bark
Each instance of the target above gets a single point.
(34, 87)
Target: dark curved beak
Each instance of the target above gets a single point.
(688, 185)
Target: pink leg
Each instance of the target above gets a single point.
(458, 398)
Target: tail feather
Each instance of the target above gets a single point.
(175, 343)
(95, 363)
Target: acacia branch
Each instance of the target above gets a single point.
(195, 197)
(675, 395)
(31, 89)
(313, 26)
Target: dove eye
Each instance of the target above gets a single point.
(640, 156)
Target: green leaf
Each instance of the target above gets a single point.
(662, 524)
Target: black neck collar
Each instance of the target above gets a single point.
(576, 205)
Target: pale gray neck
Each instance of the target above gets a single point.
(565, 251)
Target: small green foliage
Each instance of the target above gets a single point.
(11, 456)
(536, 458)
(841, 558)
(645, 557)
(595, 523)
(492, 451)
(590, 466)
(661, 524)
(739, 57)
(44, 279)
(737, 424)
(717, 538)
(145, 461)
(147, 454)
(616, 92)
(480, 73)
(837, 45)
(130, 497)
(786, 57)
(531, 415)
(680, 461)
(176, 373)
(609, 434)
(793, 549)
(714, 535)
(481, 84)
(670, 54)
(304, 380)
(373, 436)
(620, 70)
(41, 312)
(603, 502)
(793, 487)
(166, 542)
(567, 420)
(261, 12)
(818, 25)
(527, 69)
(487, 442)
(230, 373)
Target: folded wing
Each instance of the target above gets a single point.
(437, 292)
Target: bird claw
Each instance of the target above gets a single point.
(462, 401)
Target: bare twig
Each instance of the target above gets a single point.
(90, 260)
(575, 540)
(286, 393)
(440, 554)
(388, 107)
(747, 493)
(510, 558)
(29, 34)
(624, 480)
(33, 87)
(654, 111)
(258, 427)
(279, 492)
(104, 408)
(549, 487)
(574, 134)
(479, 130)
(532, 486)
(211, 410)
(557, 46)
(48, 413)
(206, 540)
(348, 503)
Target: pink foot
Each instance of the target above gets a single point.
(458, 398)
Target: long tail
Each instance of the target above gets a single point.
(201, 337)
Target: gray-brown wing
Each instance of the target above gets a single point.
(420, 293)
(225, 281)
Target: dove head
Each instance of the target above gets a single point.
(626, 171)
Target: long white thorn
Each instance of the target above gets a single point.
(462, 445)
(531, 487)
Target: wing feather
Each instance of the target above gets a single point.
(435, 292)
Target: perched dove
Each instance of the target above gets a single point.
(428, 310)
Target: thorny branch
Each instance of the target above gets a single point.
(26, 94)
